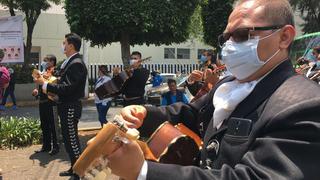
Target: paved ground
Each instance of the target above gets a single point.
(89, 114)
(24, 164)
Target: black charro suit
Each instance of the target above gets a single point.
(70, 90)
(284, 142)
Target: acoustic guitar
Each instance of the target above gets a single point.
(49, 79)
(168, 144)
(113, 87)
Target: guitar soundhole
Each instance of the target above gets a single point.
(184, 151)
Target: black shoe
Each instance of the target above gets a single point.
(75, 177)
(42, 150)
(54, 151)
(66, 173)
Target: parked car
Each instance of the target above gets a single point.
(153, 94)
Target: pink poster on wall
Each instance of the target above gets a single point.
(11, 39)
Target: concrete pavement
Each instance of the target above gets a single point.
(89, 118)
(24, 164)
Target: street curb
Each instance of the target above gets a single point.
(33, 103)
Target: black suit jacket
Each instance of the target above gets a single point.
(70, 87)
(134, 86)
(284, 142)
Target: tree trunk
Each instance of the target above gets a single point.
(27, 50)
(11, 10)
(125, 48)
(31, 19)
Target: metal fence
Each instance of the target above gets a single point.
(162, 68)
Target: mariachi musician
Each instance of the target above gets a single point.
(133, 87)
(70, 89)
(201, 81)
(46, 106)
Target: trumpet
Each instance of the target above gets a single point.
(49, 79)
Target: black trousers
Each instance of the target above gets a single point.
(70, 114)
(47, 125)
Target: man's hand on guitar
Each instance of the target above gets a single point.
(134, 115)
(127, 161)
(211, 76)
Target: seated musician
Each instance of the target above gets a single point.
(173, 95)
(133, 88)
(263, 123)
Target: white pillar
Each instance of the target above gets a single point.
(86, 61)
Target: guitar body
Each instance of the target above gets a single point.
(168, 144)
(174, 144)
(112, 87)
(103, 144)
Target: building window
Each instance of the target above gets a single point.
(35, 54)
(200, 51)
(183, 53)
(169, 53)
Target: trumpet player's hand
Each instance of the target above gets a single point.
(39, 80)
(35, 92)
(126, 161)
(196, 75)
(134, 115)
(46, 75)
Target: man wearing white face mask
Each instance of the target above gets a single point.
(133, 88)
(262, 123)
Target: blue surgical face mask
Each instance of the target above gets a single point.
(242, 59)
(44, 65)
(203, 59)
(318, 63)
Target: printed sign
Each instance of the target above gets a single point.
(11, 39)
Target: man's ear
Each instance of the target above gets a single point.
(287, 36)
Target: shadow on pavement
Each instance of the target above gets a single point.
(44, 158)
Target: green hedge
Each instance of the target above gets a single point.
(23, 75)
(19, 132)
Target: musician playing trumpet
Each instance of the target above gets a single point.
(46, 105)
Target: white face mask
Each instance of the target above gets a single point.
(44, 65)
(132, 61)
(63, 48)
(242, 59)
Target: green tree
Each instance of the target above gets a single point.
(32, 10)
(196, 26)
(130, 22)
(310, 13)
(11, 4)
(215, 15)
